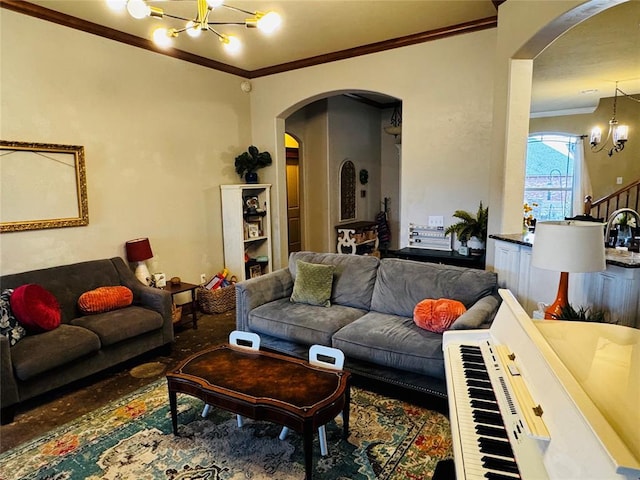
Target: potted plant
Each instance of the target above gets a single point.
(248, 162)
(583, 314)
(471, 227)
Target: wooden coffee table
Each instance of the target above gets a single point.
(264, 386)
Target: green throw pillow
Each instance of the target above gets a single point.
(313, 284)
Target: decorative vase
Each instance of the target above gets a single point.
(251, 177)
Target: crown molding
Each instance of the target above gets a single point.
(49, 15)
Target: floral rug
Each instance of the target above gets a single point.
(132, 438)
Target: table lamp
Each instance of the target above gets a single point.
(138, 251)
(567, 246)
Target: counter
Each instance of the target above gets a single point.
(620, 258)
(616, 290)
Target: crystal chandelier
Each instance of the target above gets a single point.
(618, 134)
(267, 22)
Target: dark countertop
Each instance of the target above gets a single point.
(618, 258)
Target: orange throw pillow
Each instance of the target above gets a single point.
(104, 299)
(437, 315)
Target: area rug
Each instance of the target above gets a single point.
(132, 439)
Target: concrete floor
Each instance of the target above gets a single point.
(44, 413)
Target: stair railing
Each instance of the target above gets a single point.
(626, 197)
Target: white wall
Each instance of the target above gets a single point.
(160, 136)
(446, 90)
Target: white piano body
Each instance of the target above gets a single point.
(584, 376)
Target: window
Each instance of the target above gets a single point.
(549, 175)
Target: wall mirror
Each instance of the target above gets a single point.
(42, 186)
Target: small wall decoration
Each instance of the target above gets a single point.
(364, 176)
(347, 191)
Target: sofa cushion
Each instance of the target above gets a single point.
(353, 278)
(122, 324)
(105, 299)
(437, 315)
(9, 325)
(401, 284)
(313, 284)
(35, 308)
(392, 341)
(301, 323)
(36, 354)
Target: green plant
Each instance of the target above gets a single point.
(251, 160)
(583, 314)
(470, 225)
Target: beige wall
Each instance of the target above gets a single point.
(603, 169)
(465, 109)
(446, 90)
(160, 136)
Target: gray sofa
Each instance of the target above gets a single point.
(83, 344)
(371, 314)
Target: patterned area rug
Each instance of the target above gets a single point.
(132, 438)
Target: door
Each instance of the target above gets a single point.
(293, 200)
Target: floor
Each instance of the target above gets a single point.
(42, 414)
(49, 411)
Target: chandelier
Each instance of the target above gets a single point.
(267, 22)
(395, 128)
(618, 134)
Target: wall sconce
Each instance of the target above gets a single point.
(138, 251)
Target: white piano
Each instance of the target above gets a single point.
(538, 399)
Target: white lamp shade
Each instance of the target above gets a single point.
(569, 246)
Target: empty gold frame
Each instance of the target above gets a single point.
(42, 186)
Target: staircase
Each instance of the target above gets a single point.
(626, 197)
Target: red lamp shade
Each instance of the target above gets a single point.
(138, 250)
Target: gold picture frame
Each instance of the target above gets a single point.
(42, 186)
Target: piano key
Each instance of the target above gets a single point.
(478, 383)
(485, 405)
(489, 418)
(499, 476)
(488, 431)
(481, 393)
(477, 374)
(499, 464)
(496, 447)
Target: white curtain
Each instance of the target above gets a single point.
(581, 178)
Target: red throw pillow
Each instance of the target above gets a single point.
(437, 315)
(104, 299)
(35, 308)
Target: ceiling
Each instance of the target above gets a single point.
(589, 58)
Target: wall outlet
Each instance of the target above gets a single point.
(203, 278)
(618, 180)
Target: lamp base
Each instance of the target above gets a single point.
(142, 273)
(554, 311)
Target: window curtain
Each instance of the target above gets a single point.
(581, 178)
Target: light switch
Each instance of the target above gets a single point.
(619, 181)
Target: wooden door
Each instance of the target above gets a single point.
(293, 200)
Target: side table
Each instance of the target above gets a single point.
(185, 287)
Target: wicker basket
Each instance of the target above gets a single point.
(219, 300)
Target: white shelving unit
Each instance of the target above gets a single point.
(246, 224)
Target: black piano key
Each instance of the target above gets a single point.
(481, 404)
(469, 348)
(467, 357)
(499, 464)
(477, 374)
(466, 364)
(481, 394)
(488, 431)
(499, 476)
(488, 418)
(495, 447)
(478, 383)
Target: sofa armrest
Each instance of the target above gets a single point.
(260, 290)
(478, 315)
(148, 297)
(8, 387)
